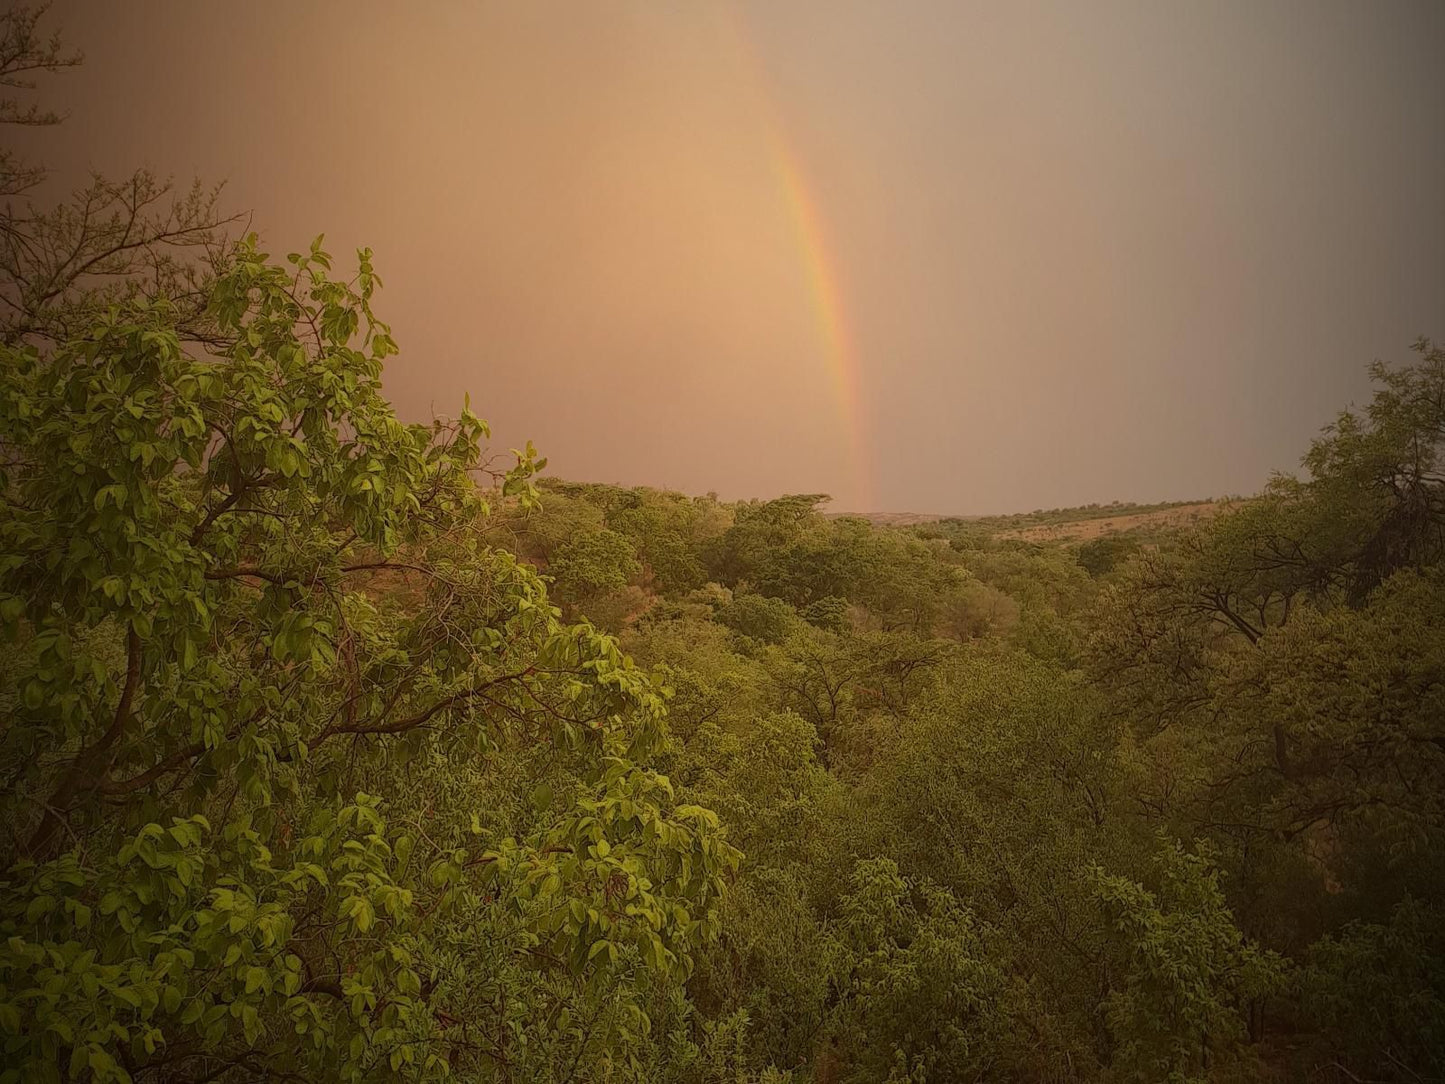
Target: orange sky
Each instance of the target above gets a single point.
(934, 257)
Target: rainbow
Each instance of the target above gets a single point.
(835, 336)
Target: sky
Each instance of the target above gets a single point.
(922, 256)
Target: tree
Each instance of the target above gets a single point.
(592, 563)
(924, 998)
(24, 53)
(1378, 477)
(767, 620)
(1379, 990)
(112, 241)
(257, 807)
(1186, 974)
(1100, 556)
(1291, 641)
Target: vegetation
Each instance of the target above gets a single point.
(330, 756)
(1055, 516)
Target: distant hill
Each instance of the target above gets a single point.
(893, 519)
(1064, 524)
(1113, 521)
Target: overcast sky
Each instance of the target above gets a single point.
(1081, 251)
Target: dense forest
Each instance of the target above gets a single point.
(333, 751)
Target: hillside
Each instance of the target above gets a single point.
(1077, 524)
(1085, 528)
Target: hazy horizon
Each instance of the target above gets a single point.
(932, 258)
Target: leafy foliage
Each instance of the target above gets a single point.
(205, 664)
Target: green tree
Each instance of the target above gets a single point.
(259, 814)
(591, 563)
(767, 620)
(1186, 975)
(1378, 989)
(924, 998)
